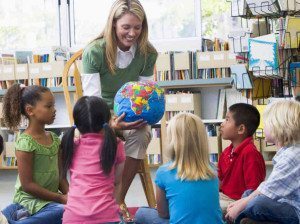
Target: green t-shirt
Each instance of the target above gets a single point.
(45, 170)
(93, 60)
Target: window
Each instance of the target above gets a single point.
(169, 21)
(28, 24)
(88, 19)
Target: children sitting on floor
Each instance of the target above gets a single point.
(187, 186)
(241, 166)
(278, 198)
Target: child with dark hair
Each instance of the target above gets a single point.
(241, 167)
(96, 162)
(39, 192)
(277, 199)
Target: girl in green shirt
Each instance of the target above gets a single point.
(39, 190)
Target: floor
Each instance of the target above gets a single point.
(135, 196)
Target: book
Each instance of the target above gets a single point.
(263, 55)
(60, 53)
(241, 77)
(292, 37)
(260, 130)
(24, 57)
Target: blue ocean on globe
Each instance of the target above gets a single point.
(140, 100)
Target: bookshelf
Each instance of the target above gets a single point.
(47, 74)
(278, 23)
(186, 95)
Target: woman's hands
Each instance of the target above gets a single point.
(117, 123)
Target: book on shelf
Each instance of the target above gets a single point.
(24, 57)
(292, 32)
(260, 130)
(61, 53)
(263, 55)
(240, 77)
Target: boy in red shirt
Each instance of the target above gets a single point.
(241, 167)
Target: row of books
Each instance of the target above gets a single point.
(57, 53)
(194, 65)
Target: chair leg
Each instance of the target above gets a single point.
(147, 183)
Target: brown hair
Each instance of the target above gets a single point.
(16, 99)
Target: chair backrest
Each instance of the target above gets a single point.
(72, 66)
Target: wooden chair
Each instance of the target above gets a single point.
(72, 69)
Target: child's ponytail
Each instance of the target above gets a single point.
(12, 106)
(109, 150)
(67, 149)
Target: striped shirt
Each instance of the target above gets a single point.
(283, 184)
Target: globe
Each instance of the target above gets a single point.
(140, 100)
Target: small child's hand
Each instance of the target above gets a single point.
(63, 198)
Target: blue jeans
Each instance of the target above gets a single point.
(262, 208)
(146, 215)
(50, 214)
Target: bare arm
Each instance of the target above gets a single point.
(63, 182)
(118, 179)
(25, 164)
(235, 208)
(162, 203)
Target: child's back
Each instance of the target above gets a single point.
(95, 161)
(187, 187)
(189, 201)
(91, 191)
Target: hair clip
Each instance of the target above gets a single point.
(74, 126)
(22, 86)
(105, 125)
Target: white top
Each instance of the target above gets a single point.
(91, 84)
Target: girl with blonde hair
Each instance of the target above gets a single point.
(187, 188)
(122, 53)
(278, 198)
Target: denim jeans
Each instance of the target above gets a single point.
(146, 215)
(262, 208)
(50, 214)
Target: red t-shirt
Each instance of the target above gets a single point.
(242, 170)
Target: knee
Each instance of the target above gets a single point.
(143, 215)
(258, 205)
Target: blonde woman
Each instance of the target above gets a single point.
(122, 53)
(278, 198)
(187, 188)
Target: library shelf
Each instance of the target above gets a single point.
(196, 83)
